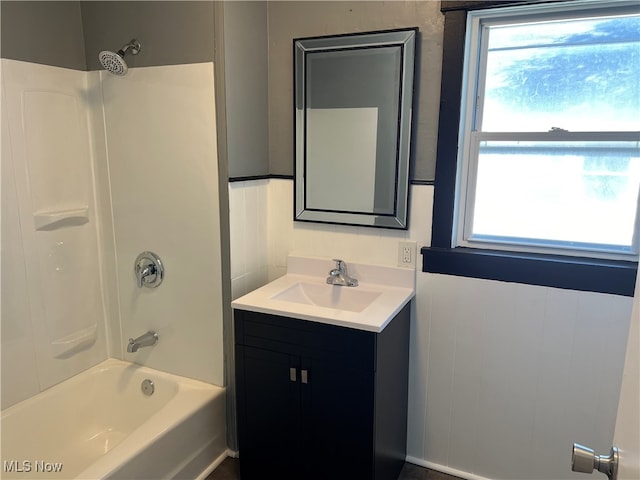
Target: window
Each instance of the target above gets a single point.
(550, 155)
(546, 168)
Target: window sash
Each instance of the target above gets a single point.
(474, 76)
(466, 238)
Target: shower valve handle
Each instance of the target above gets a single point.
(144, 273)
(149, 270)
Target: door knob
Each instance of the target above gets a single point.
(584, 460)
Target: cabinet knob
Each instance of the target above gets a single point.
(304, 376)
(292, 374)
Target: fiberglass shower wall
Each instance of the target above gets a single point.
(52, 312)
(161, 144)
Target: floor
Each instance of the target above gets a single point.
(230, 470)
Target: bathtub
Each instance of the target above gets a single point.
(99, 424)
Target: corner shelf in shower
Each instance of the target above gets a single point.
(76, 341)
(54, 219)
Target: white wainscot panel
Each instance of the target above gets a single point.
(351, 243)
(509, 380)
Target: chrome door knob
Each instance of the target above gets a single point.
(585, 460)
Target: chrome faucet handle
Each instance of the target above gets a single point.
(339, 275)
(143, 273)
(149, 270)
(340, 265)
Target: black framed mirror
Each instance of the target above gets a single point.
(353, 97)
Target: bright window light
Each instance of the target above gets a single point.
(551, 134)
(577, 75)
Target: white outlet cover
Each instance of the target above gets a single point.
(407, 249)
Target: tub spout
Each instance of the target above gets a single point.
(147, 340)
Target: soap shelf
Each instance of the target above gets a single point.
(55, 219)
(76, 341)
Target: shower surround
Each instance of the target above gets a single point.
(96, 169)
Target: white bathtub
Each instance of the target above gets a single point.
(99, 424)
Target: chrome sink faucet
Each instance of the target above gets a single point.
(146, 340)
(339, 275)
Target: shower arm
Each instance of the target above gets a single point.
(134, 45)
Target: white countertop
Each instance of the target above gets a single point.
(395, 287)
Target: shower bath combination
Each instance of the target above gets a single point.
(113, 62)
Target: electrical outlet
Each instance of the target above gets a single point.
(407, 254)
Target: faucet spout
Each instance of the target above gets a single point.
(146, 340)
(339, 275)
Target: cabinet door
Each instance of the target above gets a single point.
(337, 420)
(268, 414)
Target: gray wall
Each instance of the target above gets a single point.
(48, 33)
(289, 20)
(71, 34)
(257, 53)
(246, 71)
(171, 33)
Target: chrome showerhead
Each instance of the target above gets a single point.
(113, 62)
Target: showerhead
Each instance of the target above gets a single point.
(113, 62)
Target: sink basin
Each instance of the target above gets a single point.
(303, 293)
(350, 299)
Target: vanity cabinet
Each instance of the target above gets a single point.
(319, 401)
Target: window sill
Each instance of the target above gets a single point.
(575, 273)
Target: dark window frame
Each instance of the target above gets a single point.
(561, 271)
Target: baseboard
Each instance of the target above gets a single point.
(233, 453)
(205, 473)
(443, 469)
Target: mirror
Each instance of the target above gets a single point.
(353, 110)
